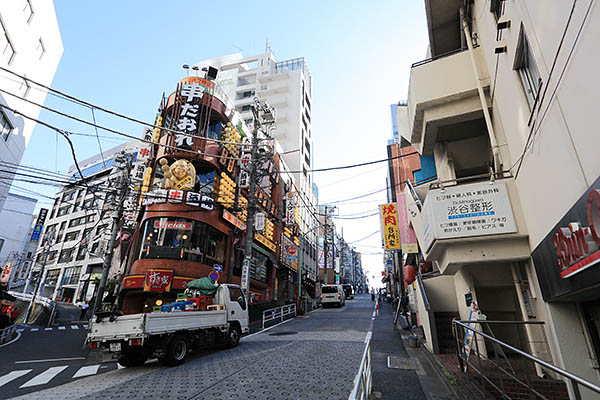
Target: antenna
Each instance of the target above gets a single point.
(267, 46)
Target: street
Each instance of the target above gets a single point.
(42, 358)
(315, 356)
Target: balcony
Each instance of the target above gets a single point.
(468, 224)
(443, 92)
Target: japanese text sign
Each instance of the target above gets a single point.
(467, 210)
(390, 227)
(158, 280)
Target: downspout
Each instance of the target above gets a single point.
(484, 106)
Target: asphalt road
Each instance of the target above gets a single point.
(43, 358)
(315, 356)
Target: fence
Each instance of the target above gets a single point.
(7, 334)
(502, 375)
(278, 313)
(363, 382)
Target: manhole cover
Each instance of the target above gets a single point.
(283, 333)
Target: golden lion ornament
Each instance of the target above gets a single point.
(180, 175)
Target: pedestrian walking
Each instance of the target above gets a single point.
(377, 306)
(372, 296)
(84, 307)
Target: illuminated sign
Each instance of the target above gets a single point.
(158, 280)
(266, 242)
(233, 220)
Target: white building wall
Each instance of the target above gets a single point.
(24, 32)
(16, 219)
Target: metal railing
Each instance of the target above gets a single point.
(278, 313)
(435, 345)
(466, 345)
(7, 334)
(363, 383)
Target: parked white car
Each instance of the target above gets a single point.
(332, 294)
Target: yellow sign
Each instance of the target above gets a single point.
(229, 217)
(389, 225)
(263, 240)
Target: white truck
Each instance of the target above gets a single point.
(170, 336)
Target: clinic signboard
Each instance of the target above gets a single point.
(467, 211)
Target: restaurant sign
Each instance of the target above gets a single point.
(565, 258)
(466, 211)
(390, 227)
(158, 280)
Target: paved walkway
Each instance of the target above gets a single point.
(401, 372)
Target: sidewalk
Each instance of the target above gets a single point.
(401, 372)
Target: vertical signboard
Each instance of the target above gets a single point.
(39, 224)
(390, 228)
(407, 234)
(290, 208)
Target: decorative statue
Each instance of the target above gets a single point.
(180, 175)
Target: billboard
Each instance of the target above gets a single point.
(390, 227)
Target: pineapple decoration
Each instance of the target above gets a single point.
(230, 134)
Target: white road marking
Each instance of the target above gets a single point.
(49, 360)
(87, 370)
(74, 327)
(20, 330)
(47, 329)
(34, 329)
(85, 326)
(374, 313)
(12, 341)
(368, 337)
(44, 377)
(271, 327)
(11, 376)
(61, 328)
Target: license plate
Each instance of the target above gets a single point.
(115, 347)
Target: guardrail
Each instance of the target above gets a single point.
(6, 334)
(278, 313)
(466, 345)
(363, 383)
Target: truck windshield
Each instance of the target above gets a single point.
(185, 239)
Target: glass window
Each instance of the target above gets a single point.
(5, 126)
(71, 275)
(179, 238)
(235, 294)
(71, 236)
(28, 11)
(52, 277)
(66, 255)
(526, 67)
(258, 266)
(329, 289)
(81, 253)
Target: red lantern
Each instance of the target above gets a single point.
(426, 266)
(410, 273)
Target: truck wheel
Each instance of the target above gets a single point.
(176, 352)
(233, 336)
(132, 358)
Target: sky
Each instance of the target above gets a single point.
(122, 55)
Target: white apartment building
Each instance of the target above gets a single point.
(78, 227)
(16, 247)
(31, 46)
(519, 101)
(287, 86)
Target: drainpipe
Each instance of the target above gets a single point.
(484, 106)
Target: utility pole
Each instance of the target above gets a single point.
(47, 246)
(124, 165)
(268, 117)
(325, 246)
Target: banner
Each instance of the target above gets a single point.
(390, 227)
(408, 237)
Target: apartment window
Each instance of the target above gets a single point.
(496, 8)
(62, 211)
(28, 11)
(71, 236)
(40, 49)
(305, 171)
(307, 159)
(5, 126)
(248, 93)
(246, 108)
(6, 46)
(51, 256)
(527, 69)
(71, 275)
(307, 145)
(66, 255)
(52, 277)
(81, 253)
(29, 254)
(101, 229)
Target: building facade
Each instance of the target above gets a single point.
(76, 232)
(502, 105)
(31, 47)
(17, 246)
(287, 86)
